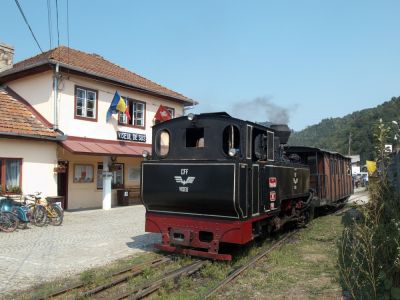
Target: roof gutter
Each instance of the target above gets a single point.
(59, 138)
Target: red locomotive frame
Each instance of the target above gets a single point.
(172, 228)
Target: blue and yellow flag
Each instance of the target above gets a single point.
(117, 104)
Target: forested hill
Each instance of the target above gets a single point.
(333, 134)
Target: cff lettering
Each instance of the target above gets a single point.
(184, 189)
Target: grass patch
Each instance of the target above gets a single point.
(304, 268)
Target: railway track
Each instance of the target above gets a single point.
(143, 290)
(116, 278)
(150, 287)
(236, 272)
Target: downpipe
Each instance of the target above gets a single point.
(55, 89)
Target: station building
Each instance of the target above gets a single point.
(64, 145)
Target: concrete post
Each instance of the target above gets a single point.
(107, 177)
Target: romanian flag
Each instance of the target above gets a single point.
(118, 104)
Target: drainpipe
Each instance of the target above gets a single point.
(55, 89)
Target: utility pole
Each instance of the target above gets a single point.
(350, 143)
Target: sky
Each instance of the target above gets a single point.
(296, 61)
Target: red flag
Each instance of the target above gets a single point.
(162, 114)
(128, 116)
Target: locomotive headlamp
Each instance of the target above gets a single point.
(190, 117)
(233, 152)
(145, 154)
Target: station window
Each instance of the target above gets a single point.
(83, 173)
(136, 110)
(85, 104)
(10, 175)
(171, 111)
(230, 139)
(117, 171)
(162, 142)
(195, 137)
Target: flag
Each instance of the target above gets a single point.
(117, 104)
(371, 166)
(162, 114)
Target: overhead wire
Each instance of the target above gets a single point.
(68, 30)
(58, 30)
(49, 21)
(27, 23)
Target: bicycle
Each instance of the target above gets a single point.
(38, 214)
(43, 210)
(8, 221)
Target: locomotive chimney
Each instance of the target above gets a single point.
(282, 131)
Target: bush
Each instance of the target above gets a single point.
(369, 249)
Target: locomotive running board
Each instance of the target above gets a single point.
(193, 252)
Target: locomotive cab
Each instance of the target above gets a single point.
(216, 179)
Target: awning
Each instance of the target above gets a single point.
(96, 147)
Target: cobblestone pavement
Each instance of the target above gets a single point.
(85, 239)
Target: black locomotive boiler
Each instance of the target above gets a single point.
(215, 179)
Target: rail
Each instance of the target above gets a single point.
(251, 262)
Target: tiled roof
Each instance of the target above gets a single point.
(95, 65)
(18, 119)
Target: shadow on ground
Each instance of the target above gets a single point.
(144, 241)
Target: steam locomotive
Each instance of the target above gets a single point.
(214, 179)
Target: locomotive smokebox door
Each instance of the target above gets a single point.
(190, 188)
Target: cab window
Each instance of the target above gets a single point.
(230, 139)
(162, 142)
(194, 137)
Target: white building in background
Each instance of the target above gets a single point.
(355, 164)
(70, 91)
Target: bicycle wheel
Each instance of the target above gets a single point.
(8, 221)
(39, 215)
(56, 214)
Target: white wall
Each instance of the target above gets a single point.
(38, 161)
(102, 129)
(37, 90)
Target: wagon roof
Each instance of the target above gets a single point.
(312, 149)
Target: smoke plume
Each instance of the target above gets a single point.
(261, 109)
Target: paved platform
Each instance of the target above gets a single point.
(85, 239)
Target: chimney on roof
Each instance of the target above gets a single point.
(6, 57)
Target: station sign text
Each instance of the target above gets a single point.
(129, 136)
